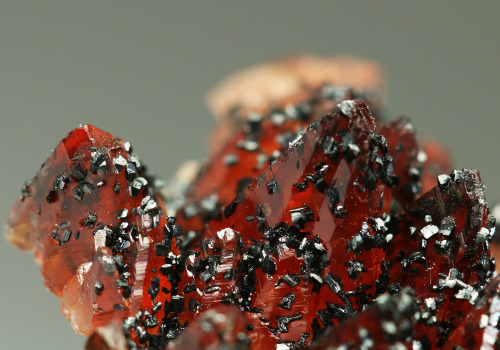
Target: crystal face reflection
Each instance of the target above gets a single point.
(311, 227)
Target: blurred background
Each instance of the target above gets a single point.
(140, 70)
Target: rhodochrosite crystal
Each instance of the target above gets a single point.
(309, 227)
(89, 207)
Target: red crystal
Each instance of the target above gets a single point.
(93, 222)
(442, 251)
(436, 161)
(404, 148)
(288, 82)
(304, 231)
(479, 329)
(261, 140)
(221, 327)
(296, 222)
(385, 324)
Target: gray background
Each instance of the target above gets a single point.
(141, 69)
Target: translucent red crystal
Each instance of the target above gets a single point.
(92, 219)
(442, 252)
(479, 328)
(387, 323)
(297, 219)
(288, 82)
(305, 231)
(258, 142)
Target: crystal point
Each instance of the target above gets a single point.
(69, 215)
(310, 227)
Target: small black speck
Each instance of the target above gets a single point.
(51, 197)
(291, 280)
(212, 289)
(98, 287)
(301, 186)
(77, 193)
(78, 174)
(286, 302)
(193, 305)
(272, 186)
(119, 307)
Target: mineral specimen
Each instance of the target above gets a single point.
(309, 227)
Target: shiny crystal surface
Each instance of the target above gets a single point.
(442, 251)
(309, 227)
(258, 142)
(91, 218)
(385, 324)
(479, 329)
(296, 223)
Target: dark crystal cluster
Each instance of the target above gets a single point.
(311, 228)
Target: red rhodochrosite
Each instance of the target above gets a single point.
(309, 227)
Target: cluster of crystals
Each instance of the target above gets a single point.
(94, 220)
(307, 230)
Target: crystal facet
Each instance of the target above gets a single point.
(310, 227)
(91, 217)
